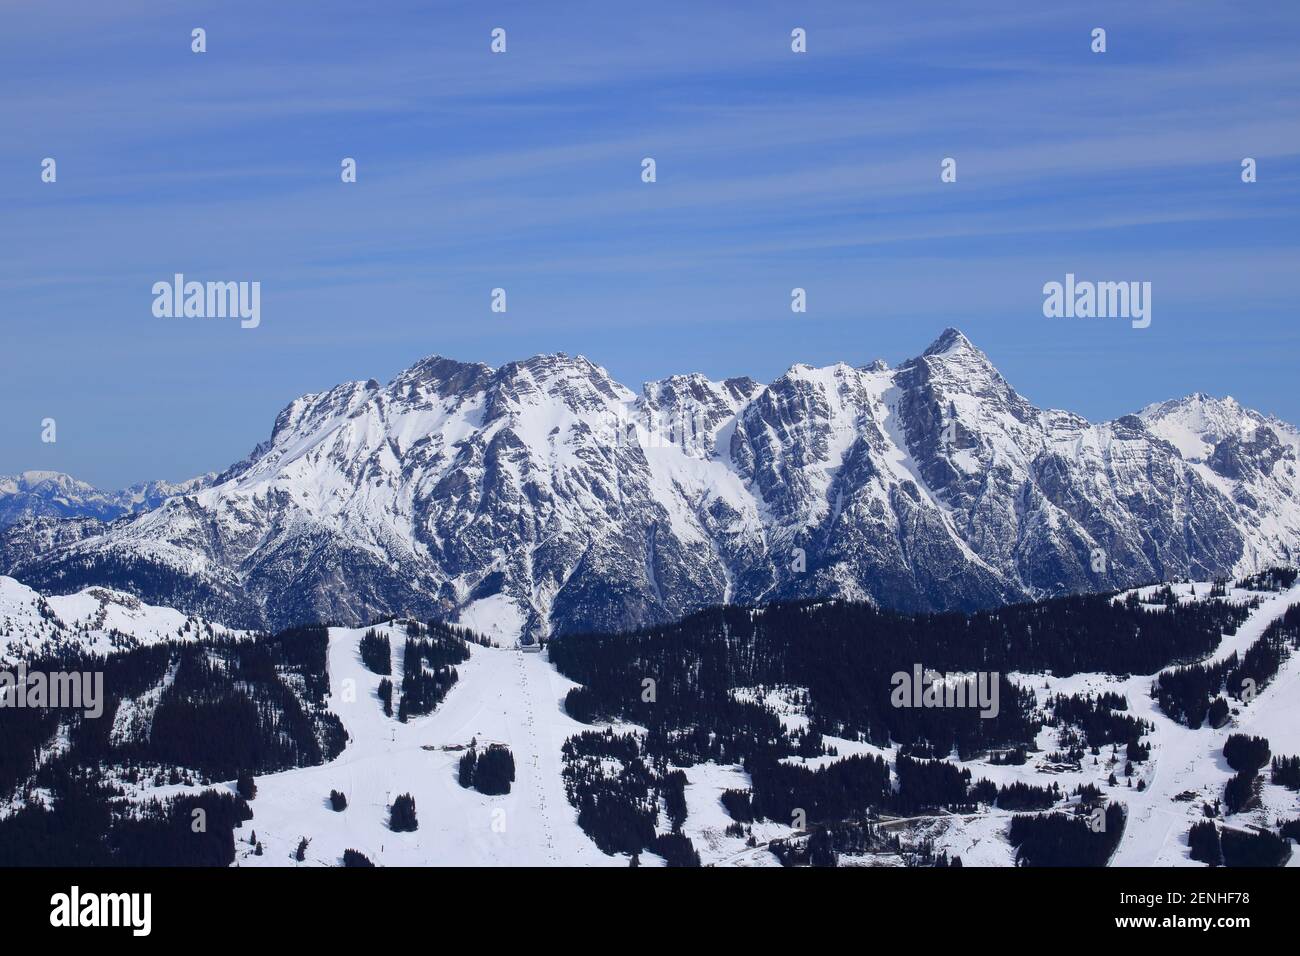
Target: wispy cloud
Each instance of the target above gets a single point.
(523, 170)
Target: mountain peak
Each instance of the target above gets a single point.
(445, 376)
(1197, 423)
(950, 340)
(32, 478)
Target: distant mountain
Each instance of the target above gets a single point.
(543, 497)
(51, 494)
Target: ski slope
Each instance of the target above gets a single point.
(1191, 761)
(502, 696)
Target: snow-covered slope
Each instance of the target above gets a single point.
(507, 696)
(544, 497)
(502, 696)
(1185, 772)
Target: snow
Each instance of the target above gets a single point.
(509, 697)
(1194, 425)
(134, 717)
(502, 696)
(783, 699)
(1183, 762)
(497, 617)
(707, 820)
(88, 619)
(363, 467)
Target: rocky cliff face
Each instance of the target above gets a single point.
(544, 497)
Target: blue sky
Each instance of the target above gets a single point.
(522, 171)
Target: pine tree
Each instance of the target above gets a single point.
(402, 817)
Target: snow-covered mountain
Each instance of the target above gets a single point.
(544, 497)
(94, 621)
(37, 494)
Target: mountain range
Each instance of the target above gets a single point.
(543, 497)
(51, 494)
